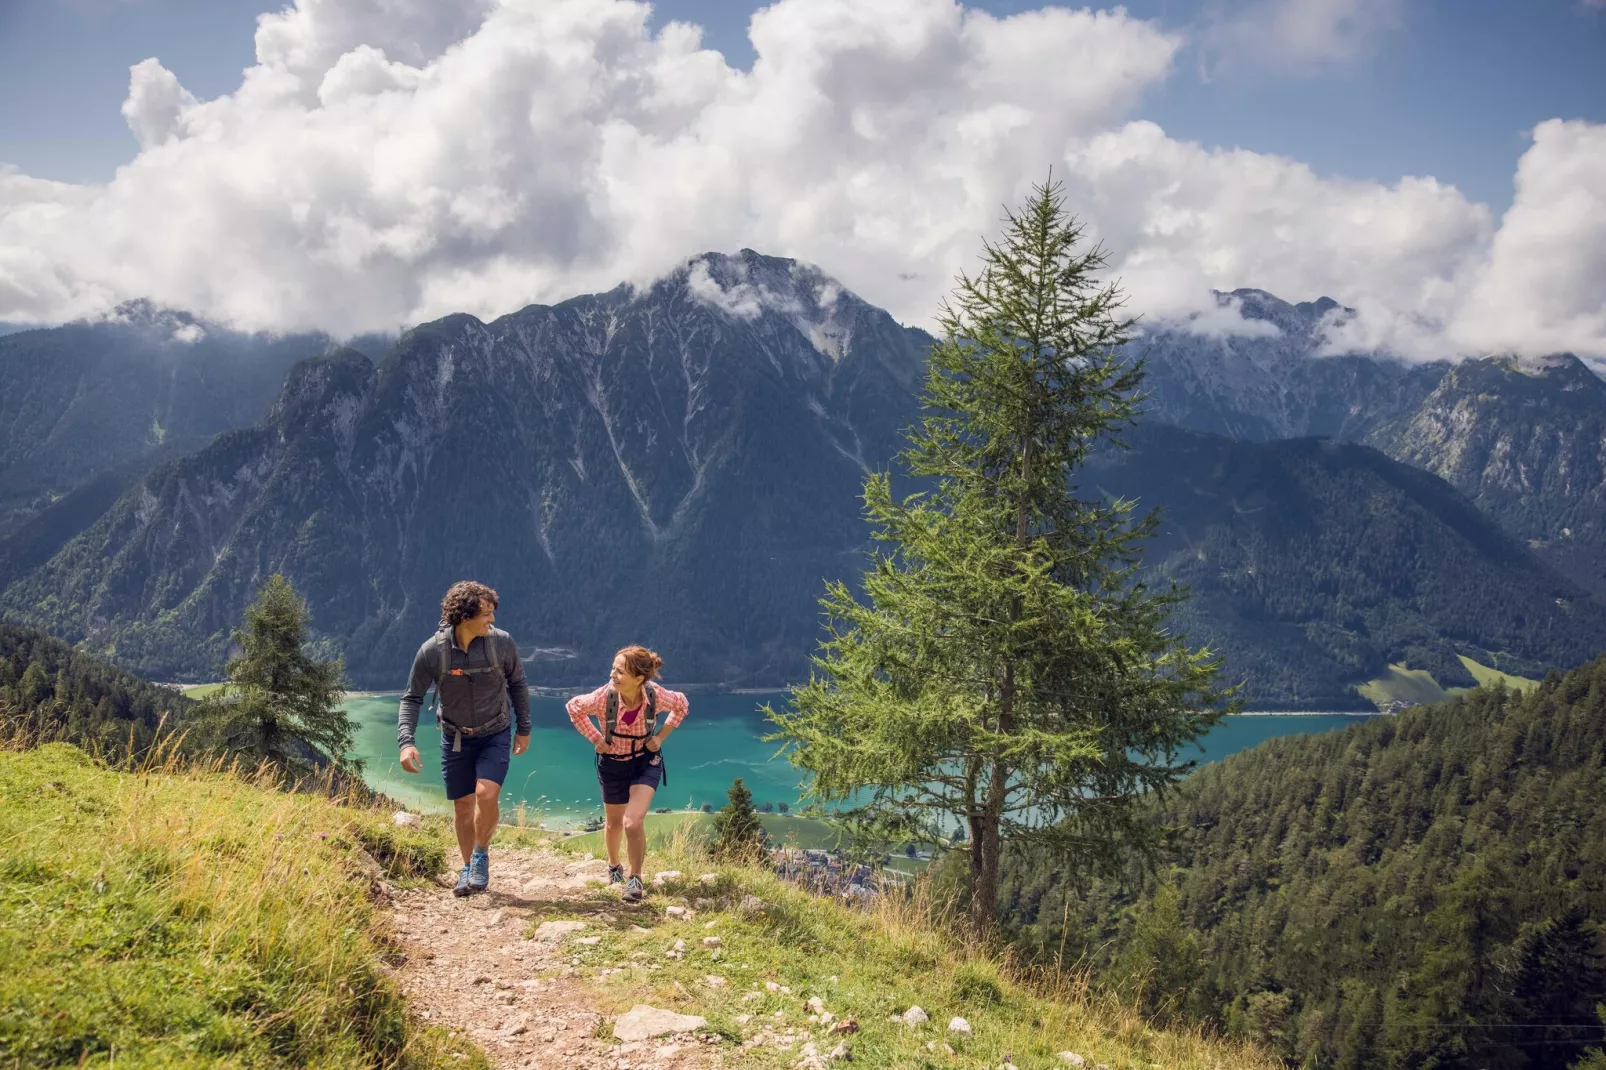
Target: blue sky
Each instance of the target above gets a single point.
(1447, 88)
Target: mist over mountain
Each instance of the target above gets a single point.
(1265, 376)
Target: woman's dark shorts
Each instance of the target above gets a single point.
(482, 758)
(618, 777)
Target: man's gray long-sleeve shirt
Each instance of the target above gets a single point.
(487, 702)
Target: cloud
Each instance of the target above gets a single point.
(155, 103)
(1181, 219)
(1541, 287)
(390, 161)
(1221, 318)
(1293, 35)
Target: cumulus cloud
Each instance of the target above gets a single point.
(1542, 285)
(1181, 219)
(389, 161)
(155, 103)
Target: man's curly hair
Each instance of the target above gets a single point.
(464, 601)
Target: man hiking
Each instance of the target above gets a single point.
(475, 669)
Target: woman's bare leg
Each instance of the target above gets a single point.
(613, 828)
(635, 816)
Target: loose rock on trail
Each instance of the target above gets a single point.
(469, 966)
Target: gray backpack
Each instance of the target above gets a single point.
(443, 643)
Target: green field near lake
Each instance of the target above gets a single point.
(1418, 686)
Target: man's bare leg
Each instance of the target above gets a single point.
(635, 817)
(487, 794)
(463, 822)
(613, 829)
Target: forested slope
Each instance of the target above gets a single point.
(1315, 564)
(49, 689)
(1427, 890)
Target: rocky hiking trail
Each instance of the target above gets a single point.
(489, 966)
(549, 968)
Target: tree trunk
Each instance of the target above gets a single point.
(987, 846)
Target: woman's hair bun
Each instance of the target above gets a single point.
(640, 661)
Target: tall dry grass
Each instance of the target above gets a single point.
(172, 910)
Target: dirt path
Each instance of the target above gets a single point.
(469, 965)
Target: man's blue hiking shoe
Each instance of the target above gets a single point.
(463, 887)
(479, 871)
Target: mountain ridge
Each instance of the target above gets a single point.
(699, 442)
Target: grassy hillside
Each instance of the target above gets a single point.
(191, 919)
(194, 919)
(865, 963)
(1418, 687)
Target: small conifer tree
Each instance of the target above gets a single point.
(281, 704)
(737, 832)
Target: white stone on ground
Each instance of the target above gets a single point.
(915, 1016)
(402, 817)
(1070, 1058)
(958, 1025)
(549, 932)
(642, 1022)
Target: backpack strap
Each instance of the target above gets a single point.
(443, 640)
(610, 717)
(650, 718)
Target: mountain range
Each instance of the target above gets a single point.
(681, 464)
(678, 465)
(1524, 439)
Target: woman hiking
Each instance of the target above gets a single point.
(633, 717)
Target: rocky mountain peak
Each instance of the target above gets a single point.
(323, 394)
(750, 285)
(1298, 321)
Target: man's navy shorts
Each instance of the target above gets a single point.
(482, 758)
(618, 777)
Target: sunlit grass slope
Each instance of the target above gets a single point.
(1403, 684)
(1486, 675)
(194, 919)
(866, 963)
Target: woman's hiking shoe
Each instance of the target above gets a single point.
(463, 887)
(634, 890)
(616, 874)
(479, 871)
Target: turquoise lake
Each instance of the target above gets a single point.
(719, 741)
